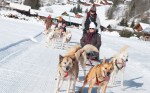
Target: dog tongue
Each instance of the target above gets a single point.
(66, 74)
(106, 78)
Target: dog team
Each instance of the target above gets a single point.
(55, 32)
(99, 75)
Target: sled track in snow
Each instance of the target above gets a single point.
(16, 47)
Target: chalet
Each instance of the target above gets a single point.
(146, 34)
(144, 29)
(78, 15)
(140, 26)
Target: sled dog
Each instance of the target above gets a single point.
(66, 39)
(119, 61)
(82, 57)
(52, 37)
(68, 67)
(98, 76)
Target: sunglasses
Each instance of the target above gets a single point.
(91, 28)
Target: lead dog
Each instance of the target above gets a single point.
(98, 76)
(67, 69)
(119, 61)
(68, 65)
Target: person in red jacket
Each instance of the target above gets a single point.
(48, 23)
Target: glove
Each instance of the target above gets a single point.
(96, 30)
(84, 31)
(93, 55)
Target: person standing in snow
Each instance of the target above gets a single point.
(48, 23)
(91, 37)
(91, 16)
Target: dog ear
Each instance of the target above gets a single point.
(60, 58)
(104, 60)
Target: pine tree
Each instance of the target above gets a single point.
(78, 8)
(74, 10)
(132, 24)
(86, 10)
(35, 4)
(71, 10)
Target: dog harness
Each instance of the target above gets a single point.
(123, 64)
(66, 74)
(98, 81)
(106, 78)
(81, 53)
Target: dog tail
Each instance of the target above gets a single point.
(73, 49)
(88, 48)
(124, 48)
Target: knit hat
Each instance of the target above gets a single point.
(49, 17)
(60, 18)
(92, 25)
(93, 8)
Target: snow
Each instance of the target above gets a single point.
(20, 7)
(27, 66)
(147, 30)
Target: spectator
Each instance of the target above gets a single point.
(91, 16)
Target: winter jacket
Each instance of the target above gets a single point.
(59, 24)
(95, 40)
(48, 22)
(88, 19)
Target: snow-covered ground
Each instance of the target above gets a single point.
(30, 67)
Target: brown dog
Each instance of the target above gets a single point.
(98, 76)
(67, 69)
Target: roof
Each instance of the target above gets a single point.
(33, 11)
(73, 19)
(144, 25)
(147, 30)
(42, 13)
(19, 7)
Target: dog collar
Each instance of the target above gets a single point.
(66, 74)
(123, 64)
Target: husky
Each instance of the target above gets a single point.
(51, 38)
(82, 57)
(68, 67)
(98, 76)
(66, 39)
(119, 61)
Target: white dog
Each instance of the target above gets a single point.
(52, 37)
(119, 62)
(66, 39)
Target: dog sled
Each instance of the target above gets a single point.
(93, 58)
